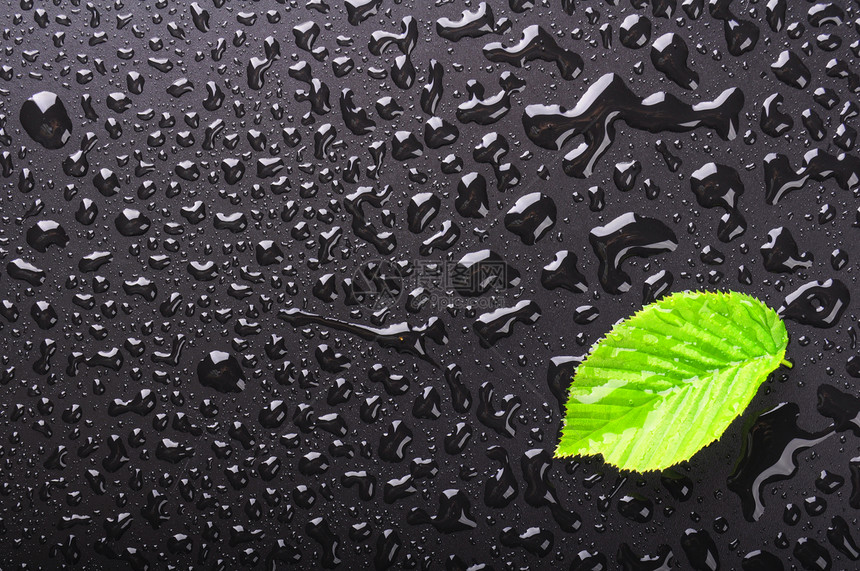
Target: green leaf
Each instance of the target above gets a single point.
(669, 380)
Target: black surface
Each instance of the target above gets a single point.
(52, 515)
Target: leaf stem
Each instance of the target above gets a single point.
(787, 363)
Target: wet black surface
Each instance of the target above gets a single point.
(302, 285)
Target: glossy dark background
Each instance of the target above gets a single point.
(191, 513)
